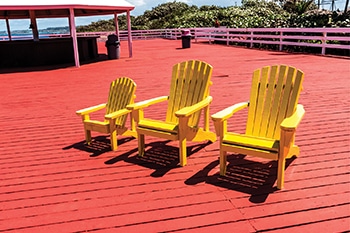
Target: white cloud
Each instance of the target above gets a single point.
(137, 3)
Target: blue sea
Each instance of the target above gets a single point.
(22, 36)
(4, 36)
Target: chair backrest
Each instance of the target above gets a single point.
(189, 85)
(121, 93)
(274, 96)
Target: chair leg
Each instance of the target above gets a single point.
(286, 143)
(88, 136)
(183, 133)
(183, 152)
(141, 144)
(280, 173)
(223, 162)
(114, 140)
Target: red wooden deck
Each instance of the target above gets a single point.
(51, 182)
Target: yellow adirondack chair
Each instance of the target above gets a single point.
(273, 116)
(189, 95)
(121, 93)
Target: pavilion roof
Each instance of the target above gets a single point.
(17, 9)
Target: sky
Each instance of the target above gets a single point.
(140, 7)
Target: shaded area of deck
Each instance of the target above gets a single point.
(51, 182)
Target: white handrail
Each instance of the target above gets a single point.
(336, 38)
(324, 38)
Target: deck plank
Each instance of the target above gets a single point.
(50, 181)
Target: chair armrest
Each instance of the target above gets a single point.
(146, 103)
(116, 114)
(293, 121)
(229, 111)
(189, 110)
(90, 109)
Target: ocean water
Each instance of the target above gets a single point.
(15, 36)
(21, 36)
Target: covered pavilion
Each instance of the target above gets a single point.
(20, 9)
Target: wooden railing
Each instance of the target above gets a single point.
(139, 34)
(333, 38)
(280, 38)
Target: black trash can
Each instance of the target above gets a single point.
(112, 45)
(186, 39)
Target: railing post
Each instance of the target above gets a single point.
(281, 40)
(324, 42)
(227, 37)
(195, 35)
(210, 31)
(251, 39)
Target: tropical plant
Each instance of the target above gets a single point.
(299, 6)
(251, 14)
(106, 25)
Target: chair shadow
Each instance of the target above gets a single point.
(99, 145)
(160, 157)
(242, 175)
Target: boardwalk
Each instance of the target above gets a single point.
(51, 182)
